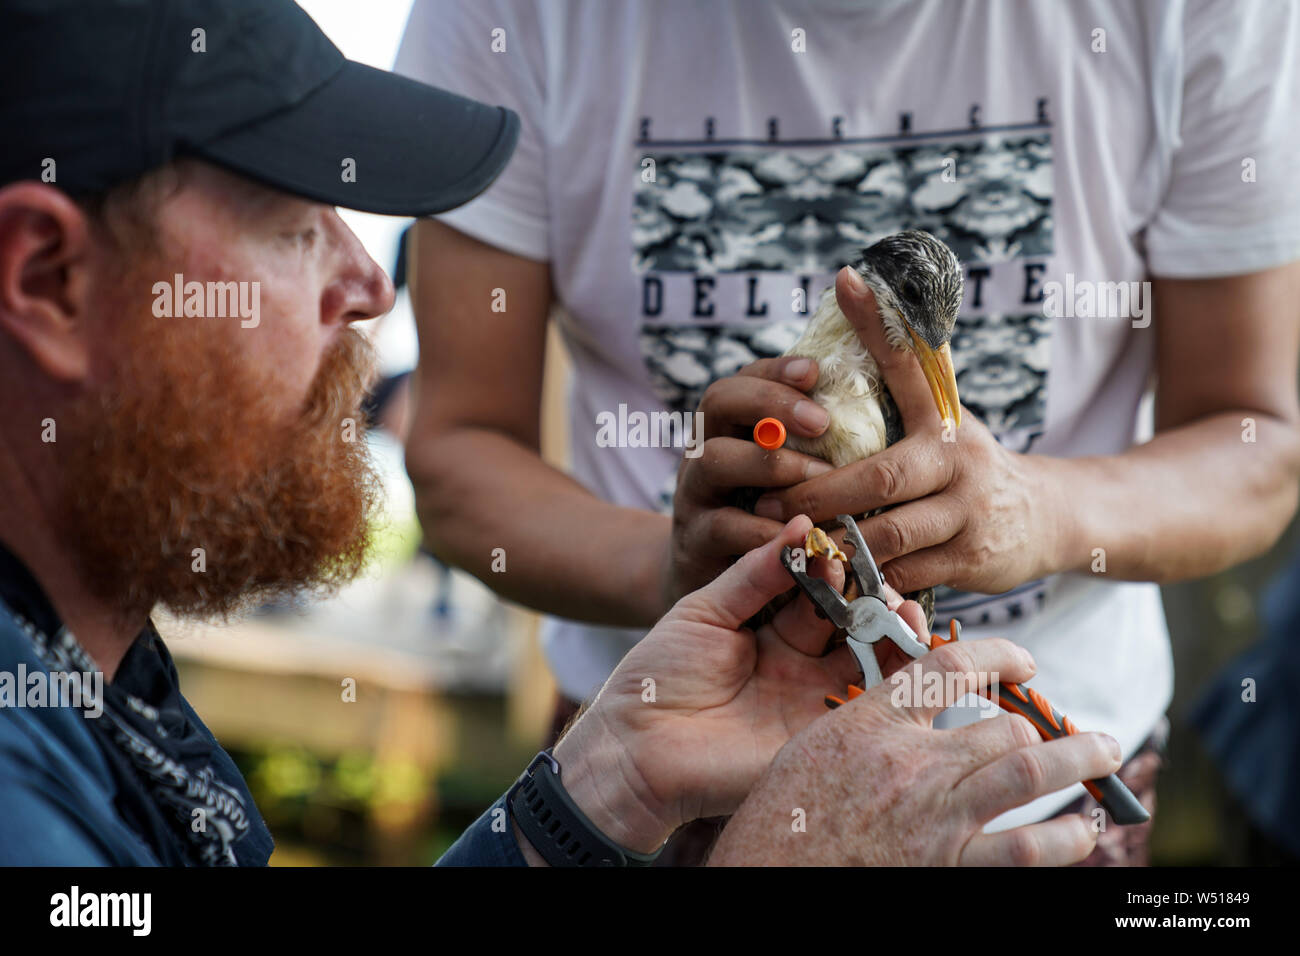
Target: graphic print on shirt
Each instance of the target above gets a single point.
(733, 243)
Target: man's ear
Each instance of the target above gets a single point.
(45, 278)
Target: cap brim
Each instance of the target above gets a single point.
(416, 150)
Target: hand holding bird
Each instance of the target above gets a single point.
(709, 530)
(965, 511)
(959, 508)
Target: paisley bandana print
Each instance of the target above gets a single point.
(207, 816)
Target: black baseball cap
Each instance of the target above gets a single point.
(110, 89)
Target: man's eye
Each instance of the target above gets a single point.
(306, 237)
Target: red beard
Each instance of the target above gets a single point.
(188, 450)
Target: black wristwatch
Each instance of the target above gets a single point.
(554, 825)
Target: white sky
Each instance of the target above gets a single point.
(369, 32)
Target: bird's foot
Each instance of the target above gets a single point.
(817, 543)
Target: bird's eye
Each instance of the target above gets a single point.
(911, 291)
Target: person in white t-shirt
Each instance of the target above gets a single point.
(1118, 180)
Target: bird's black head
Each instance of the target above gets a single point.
(917, 282)
(919, 278)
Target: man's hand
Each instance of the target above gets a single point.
(979, 517)
(708, 529)
(971, 514)
(872, 783)
(696, 711)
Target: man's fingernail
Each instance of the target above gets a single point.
(855, 280)
(768, 508)
(798, 370)
(1028, 659)
(811, 416)
(815, 468)
(1114, 747)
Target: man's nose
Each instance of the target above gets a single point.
(363, 289)
(379, 292)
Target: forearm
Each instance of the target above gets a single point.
(760, 832)
(563, 550)
(1191, 502)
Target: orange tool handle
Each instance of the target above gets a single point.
(1117, 799)
(1051, 724)
(854, 691)
(1109, 791)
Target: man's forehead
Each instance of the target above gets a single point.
(250, 197)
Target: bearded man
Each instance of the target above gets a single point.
(196, 459)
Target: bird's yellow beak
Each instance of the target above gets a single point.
(939, 374)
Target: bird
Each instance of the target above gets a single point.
(918, 285)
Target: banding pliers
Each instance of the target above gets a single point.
(867, 619)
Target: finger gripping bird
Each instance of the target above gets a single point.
(917, 283)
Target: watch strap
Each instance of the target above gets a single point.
(557, 829)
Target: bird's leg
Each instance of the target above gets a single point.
(817, 543)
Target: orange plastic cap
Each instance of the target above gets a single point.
(770, 433)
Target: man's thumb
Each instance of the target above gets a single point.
(737, 594)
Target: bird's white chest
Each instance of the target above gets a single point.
(848, 387)
(856, 430)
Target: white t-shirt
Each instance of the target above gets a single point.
(1071, 143)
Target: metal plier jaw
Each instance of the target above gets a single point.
(866, 619)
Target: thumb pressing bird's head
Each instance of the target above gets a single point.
(917, 282)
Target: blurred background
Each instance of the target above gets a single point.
(374, 727)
